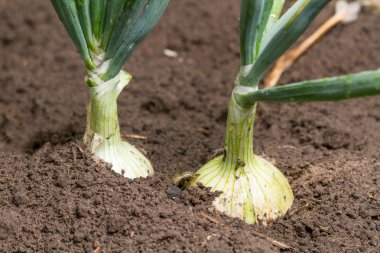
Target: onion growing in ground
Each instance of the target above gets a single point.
(105, 34)
(252, 189)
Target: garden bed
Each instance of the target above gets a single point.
(55, 198)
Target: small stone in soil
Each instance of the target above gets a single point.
(200, 185)
(114, 224)
(81, 211)
(174, 192)
(61, 181)
(87, 195)
(20, 199)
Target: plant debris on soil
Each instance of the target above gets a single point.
(55, 198)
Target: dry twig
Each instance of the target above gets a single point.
(276, 243)
(78, 147)
(74, 155)
(96, 250)
(209, 218)
(136, 136)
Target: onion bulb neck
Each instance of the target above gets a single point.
(252, 189)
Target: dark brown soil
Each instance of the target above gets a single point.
(54, 198)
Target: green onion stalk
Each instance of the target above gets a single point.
(250, 187)
(105, 34)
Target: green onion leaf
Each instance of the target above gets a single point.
(68, 13)
(282, 35)
(274, 14)
(114, 9)
(85, 21)
(130, 13)
(361, 84)
(141, 17)
(254, 15)
(98, 10)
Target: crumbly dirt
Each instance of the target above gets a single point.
(54, 198)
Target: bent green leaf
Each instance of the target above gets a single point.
(361, 84)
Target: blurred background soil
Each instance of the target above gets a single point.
(54, 198)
